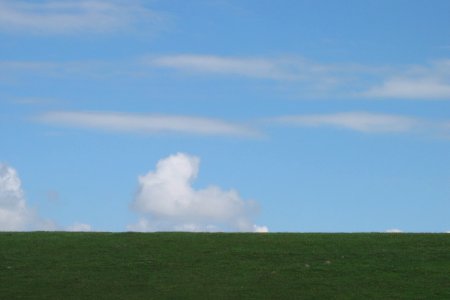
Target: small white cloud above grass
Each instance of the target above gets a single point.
(166, 201)
(79, 227)
(394, 230)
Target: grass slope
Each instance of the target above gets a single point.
(43, 265)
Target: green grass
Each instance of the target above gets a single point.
(224, 266)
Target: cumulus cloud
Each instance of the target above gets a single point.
(166, 201)
(67, 16)
(15, 215)
(358, 121)
(79, 227)
(120, 122)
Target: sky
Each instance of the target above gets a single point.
(225, 115)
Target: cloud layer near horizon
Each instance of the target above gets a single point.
(166, 201)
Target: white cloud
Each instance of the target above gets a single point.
(307, 74)
(79, 227)
(12, 71)
(260, 229)
(68, 16)
(394, 230)
(120, 122)
(416, 82)
(423, 88)
(308, 77)
(367, 122)
(358, 121)
(312, 78)
(243, 66)
(15, 215)
(166, 200)
(301, 77)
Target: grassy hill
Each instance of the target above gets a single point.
(65, 265)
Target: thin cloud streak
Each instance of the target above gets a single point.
(63, 17)
(411, 89)
(147, 124)
(349, 79)
(286, 68)
(358, 121)
(23, 70)
(308, 78)
(242, 66)
(416, 82)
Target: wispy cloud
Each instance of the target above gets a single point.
(425, 88)
(416, 82)
(34, 101)
(147, 124)
(369, 123)
(298, 75)
(424, 82)
(301, 73)
(17, 70)
(306, 77)
(357, 121)
(242, 66)
(68, 16)
(166, 200)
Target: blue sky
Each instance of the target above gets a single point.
(214, 115)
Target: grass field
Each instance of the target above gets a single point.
(65, 265)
